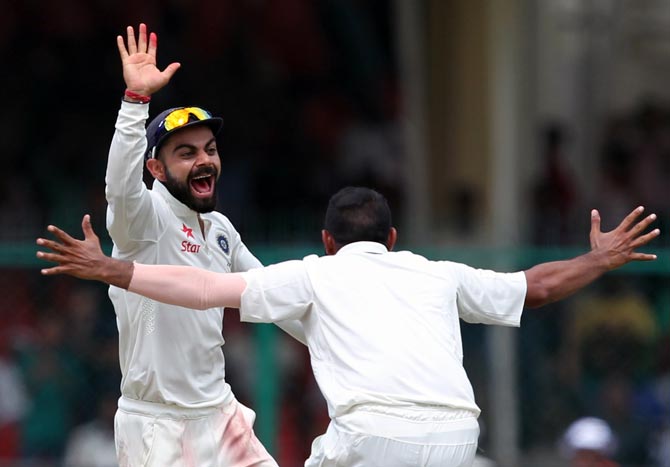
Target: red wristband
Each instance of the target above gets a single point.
(137, 97)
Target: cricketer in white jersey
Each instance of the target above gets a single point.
(382, 328)
(176, 407)
(166, 356)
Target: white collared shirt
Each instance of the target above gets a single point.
(383, 327)
(167, 354)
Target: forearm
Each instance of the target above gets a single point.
(125, 161)
(549, 282)
(130, 211)
(187, 286)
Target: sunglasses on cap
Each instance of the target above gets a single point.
(180, 117)
(176, 119)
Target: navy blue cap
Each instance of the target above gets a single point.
(157, 133)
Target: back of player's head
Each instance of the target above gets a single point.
(357, 214)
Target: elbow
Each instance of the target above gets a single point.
(202, 303)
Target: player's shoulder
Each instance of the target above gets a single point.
(283, 271)
(438, 266)
(406, 256)
(159, 201)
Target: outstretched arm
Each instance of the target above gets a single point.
(177, 285)
(549, 282)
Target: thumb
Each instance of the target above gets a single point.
(88, 228)
(595, 227)
(171, 69)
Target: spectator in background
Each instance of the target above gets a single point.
(609, 346)
(589, 442)
(91, 336)
(635, 162)
(92, 444)
(620, 401)
(13, 401)
(660, 446)
(616, 185)
(52, 376)
(610, 343)
(555, 194)
(610, 331)
(651, 124)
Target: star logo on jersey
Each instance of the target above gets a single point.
(188, 231)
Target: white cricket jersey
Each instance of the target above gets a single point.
(383, 327)
(167, 354)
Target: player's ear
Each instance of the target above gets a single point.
(157, 169)
(391, 238)
(329, 244)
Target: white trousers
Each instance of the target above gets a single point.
(398, 438)
(156, 435)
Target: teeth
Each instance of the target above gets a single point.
(200, 176)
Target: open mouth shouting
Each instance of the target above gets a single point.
(202, 184)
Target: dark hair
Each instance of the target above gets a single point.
(358, 214)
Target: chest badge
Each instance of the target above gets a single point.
(187, 230)
(186, 246)
(223, 243)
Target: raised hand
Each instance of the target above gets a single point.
(140, 72)
(619, 245)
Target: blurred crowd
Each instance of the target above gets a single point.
(605, 352)
(59, 371)
(309, 96)
(631, 168)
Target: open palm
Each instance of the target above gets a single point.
(620, 244)
(139, 62)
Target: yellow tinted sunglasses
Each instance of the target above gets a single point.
(181, 117)
(173, 120)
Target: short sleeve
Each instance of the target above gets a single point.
(488, 297)
(276, 293)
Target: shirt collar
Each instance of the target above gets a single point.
(179, 208)
(362, 247)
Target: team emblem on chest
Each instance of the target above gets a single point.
(223, 243)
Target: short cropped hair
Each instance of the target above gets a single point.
(357, 214)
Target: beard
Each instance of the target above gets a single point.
(181, 190)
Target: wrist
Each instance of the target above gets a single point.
(117, 272)
(136, 97)
(601, 260)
